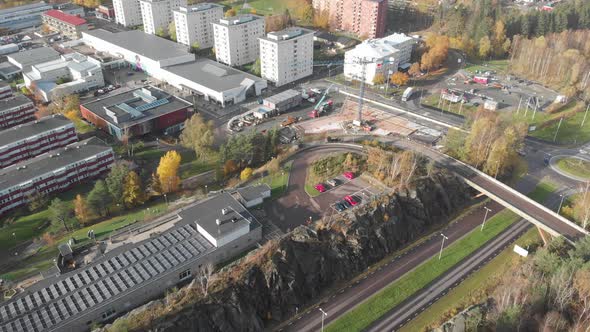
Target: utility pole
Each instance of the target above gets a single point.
(324, 314)
(557, 131)
(560, 203)
(585, 114)
(519, 102)
(442, 245)
(362, 90)
(389, 73)
(485, 217)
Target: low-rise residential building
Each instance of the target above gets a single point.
(69, 25)
(31, 139)
(5, 90)
(106, 11)
(139, 267)
(138, 112)
(71, 73)
(23, 17)
(379, 56)
(127, 12)
(236, 39)
(172, 63)
(193, 24)
(157, 14)
(16, 110)
(54, 171)
(286, 55)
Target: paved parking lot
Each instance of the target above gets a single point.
(357, 187)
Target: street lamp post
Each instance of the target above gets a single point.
(444, 237)
(166, 198)
(485, 217)
(560, 203)
(206, 191)
(324, 314)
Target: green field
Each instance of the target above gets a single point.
(456, 108)
(472, 290)
(363, 315)
(575, 166)
(497, 65)
(263, 7)
(278, 181)
(570, 132)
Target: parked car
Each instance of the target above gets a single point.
(330, 139)
(351, 200)
(320, 187)
(346, 203)
(348, 175)
(339, 206)
(332, 182)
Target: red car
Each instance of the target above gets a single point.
(348, 175)
(320, 187)
(351, 200)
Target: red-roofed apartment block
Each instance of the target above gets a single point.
(69, 25)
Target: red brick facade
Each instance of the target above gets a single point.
(364, 18)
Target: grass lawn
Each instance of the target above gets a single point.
(570, 132)
(456, 108)
(263, 7)
(35, 224)
(472, 290)
(363, 315)
(497, 65)
(277, 182)
(575, 166)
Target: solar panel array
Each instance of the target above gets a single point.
(47, 308)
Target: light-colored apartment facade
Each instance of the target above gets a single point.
(364, 18)
(157, 14)
(128, 12)
(286, 55)
(236, 39)
(194, 24)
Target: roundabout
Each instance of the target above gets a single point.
(573, 167)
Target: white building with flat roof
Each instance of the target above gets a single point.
(157, 14)
(193, 24)
(381, 56)
(286, 55)
(71, 73)
(127, 12)
(236, 39)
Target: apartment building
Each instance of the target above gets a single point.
(5, 91)
(54, 171)
(194, 24)
(364, 18)
(158, 14)
(127, 12)
(31, 139)
(16, 110)
(286, 55)
(69, 25)
(379, 56)
(236, 39)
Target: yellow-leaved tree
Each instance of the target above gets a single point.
(81, 210)
(132, 190)
(168, 171)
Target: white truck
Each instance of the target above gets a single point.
(408, 94)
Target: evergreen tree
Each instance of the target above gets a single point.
(99, 198)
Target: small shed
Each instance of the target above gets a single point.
(253, 195)
(490, 105)
(283, 101)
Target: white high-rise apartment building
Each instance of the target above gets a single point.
(157, 14)
(194, 23)
(286, 55)
(127, 12)
(236, 39)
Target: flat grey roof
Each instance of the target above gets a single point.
(35, 55)
(16, 100)
(285, 95)
(98, 106)
(50, 161)
(7, 68)
(139, 42)
(251, 193)
(26, 130)
(212, 74)
(287, 34)
(23, 7)
(238, 19)
(197, 7)
(208, 211)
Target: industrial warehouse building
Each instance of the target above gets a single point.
(135, 268)
(54, 171)
(137, 112)
(172, 63)
(31, 139)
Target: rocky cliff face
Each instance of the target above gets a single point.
(307, 262)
